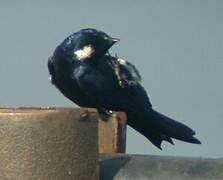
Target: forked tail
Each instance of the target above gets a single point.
(157, 127)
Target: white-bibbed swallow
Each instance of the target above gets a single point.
(84, 71)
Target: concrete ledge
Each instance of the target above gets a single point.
(48, 143)
(56, 143)
(132, 167)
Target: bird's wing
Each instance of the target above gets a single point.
(94, 84)
(128, 71)
(103, 92)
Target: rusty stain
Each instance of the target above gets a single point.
(112, 134)
(121, 135)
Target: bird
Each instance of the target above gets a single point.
(85, 72)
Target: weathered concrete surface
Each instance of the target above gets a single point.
(48, 144)
(112, 134)
(143, 167)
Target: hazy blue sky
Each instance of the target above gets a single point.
(176, 45)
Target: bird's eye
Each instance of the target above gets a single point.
(106, 38)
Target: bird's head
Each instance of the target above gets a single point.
(86, 45)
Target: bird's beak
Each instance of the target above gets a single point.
(113, 41)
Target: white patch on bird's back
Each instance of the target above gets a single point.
(122, 61)
(84, 53)
(134, 73)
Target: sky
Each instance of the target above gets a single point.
(176, 45)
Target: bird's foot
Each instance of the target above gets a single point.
(104, 114)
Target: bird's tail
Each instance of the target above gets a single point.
(157, 127)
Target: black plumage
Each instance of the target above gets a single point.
(83, 70)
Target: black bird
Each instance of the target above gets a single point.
(84, 71)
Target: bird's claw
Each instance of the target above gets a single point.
(104, 114)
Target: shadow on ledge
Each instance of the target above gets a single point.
(137, 167)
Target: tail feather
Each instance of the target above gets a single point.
(157, 127)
